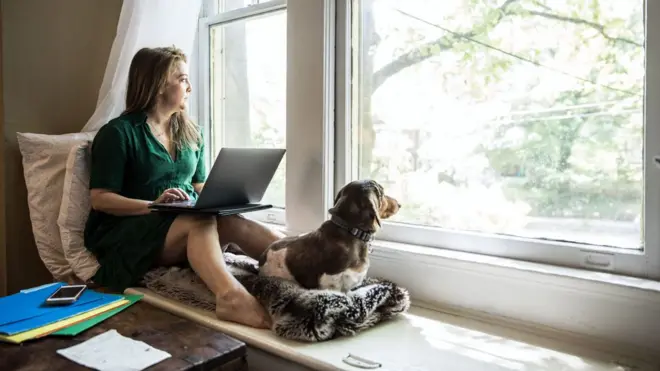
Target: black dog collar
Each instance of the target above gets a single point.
(357, 232)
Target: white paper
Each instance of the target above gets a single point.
(113, 351)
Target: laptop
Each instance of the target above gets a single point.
(236, 184)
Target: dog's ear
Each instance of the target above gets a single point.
(337, 198)
(374, 213)
(341, 203)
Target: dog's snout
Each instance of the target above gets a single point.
(393, 202)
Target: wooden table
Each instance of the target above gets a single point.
(192, 346)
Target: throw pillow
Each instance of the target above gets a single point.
(44, 159)
(74, 211)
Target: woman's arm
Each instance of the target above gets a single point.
(199, 177)
(112, 203)
(198, 187)
(109, 156)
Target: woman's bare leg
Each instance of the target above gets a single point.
(196, 238)
(252, 237)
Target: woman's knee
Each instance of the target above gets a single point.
(200, 221)
(231, 223)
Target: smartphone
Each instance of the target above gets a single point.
(67, 294)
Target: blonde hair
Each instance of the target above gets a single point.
(148, 74)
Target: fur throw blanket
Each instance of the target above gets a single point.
(297, 313)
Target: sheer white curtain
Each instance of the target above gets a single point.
(142, 23)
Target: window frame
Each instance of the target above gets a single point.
(209, 18)
(640, 263)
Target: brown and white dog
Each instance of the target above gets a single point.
(334, 256)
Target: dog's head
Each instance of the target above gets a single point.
(363, 203)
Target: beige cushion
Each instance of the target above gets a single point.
(44, 162)
(74, 211)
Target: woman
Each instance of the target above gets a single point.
(153, 153)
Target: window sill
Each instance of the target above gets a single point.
(611, 312)
(422, 339)
(395, 250)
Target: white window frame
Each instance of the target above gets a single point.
(212, 17)
(644, 263)
(578, 304)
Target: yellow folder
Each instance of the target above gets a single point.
(45, 330)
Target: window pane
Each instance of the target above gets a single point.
(511, 117)
(248, 89)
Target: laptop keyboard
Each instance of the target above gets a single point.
(180, 203)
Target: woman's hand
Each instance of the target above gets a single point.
(171, 195)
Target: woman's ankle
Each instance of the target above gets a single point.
(231, 293)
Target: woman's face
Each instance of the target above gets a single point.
(178, 88)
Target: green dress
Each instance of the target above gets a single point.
(128, 159)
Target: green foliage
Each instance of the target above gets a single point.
(579, 141)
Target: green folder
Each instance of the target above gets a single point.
(74, 330)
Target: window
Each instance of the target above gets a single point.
(511, 128)
(246, 77)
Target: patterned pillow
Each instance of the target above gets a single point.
(44, 160)
(74, 211)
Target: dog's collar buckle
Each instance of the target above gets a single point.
(364, 236)
(357, 232)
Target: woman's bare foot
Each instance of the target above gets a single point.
(239, 306)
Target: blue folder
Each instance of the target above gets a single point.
(25, 311)
(24, 305)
